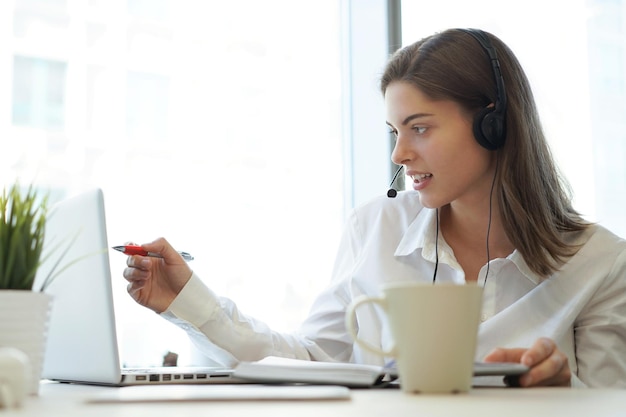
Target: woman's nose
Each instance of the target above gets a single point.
(401, 151)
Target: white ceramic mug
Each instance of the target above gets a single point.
(434, 330)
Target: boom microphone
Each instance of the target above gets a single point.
(392, 192)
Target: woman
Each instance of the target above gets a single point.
(488, 206)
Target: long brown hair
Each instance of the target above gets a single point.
(534, 200)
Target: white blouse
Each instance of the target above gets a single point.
(582, 307)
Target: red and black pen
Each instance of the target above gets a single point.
(138, 250)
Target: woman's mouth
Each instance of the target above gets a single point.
(420, 177)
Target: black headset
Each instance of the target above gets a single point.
(490, 122)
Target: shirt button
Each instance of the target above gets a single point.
(483, 317)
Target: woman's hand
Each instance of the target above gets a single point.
(548, 365)
(155, 282)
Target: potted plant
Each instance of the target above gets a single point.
(24, 311)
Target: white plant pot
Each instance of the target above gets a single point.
(24, 318)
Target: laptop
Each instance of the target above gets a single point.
(82, 344)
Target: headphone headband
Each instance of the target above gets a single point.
(490, 123)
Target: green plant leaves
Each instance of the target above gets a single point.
(22, 231)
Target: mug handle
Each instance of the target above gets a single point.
(350, 319)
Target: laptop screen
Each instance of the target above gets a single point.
(82, 339)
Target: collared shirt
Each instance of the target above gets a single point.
(582, 307)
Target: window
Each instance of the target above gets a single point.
(38, 93)
(214, 124)
(574, 54)
(147, 99)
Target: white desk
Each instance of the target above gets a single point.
(70, 400)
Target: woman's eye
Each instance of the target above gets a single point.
(420, 130)
(393, 132)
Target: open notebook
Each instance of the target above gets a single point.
(82, 342)
(280, 370)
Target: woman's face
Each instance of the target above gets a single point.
(435, 143)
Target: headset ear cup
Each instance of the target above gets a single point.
(489, 129)
(479, 134)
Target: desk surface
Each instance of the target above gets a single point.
(70, 400)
